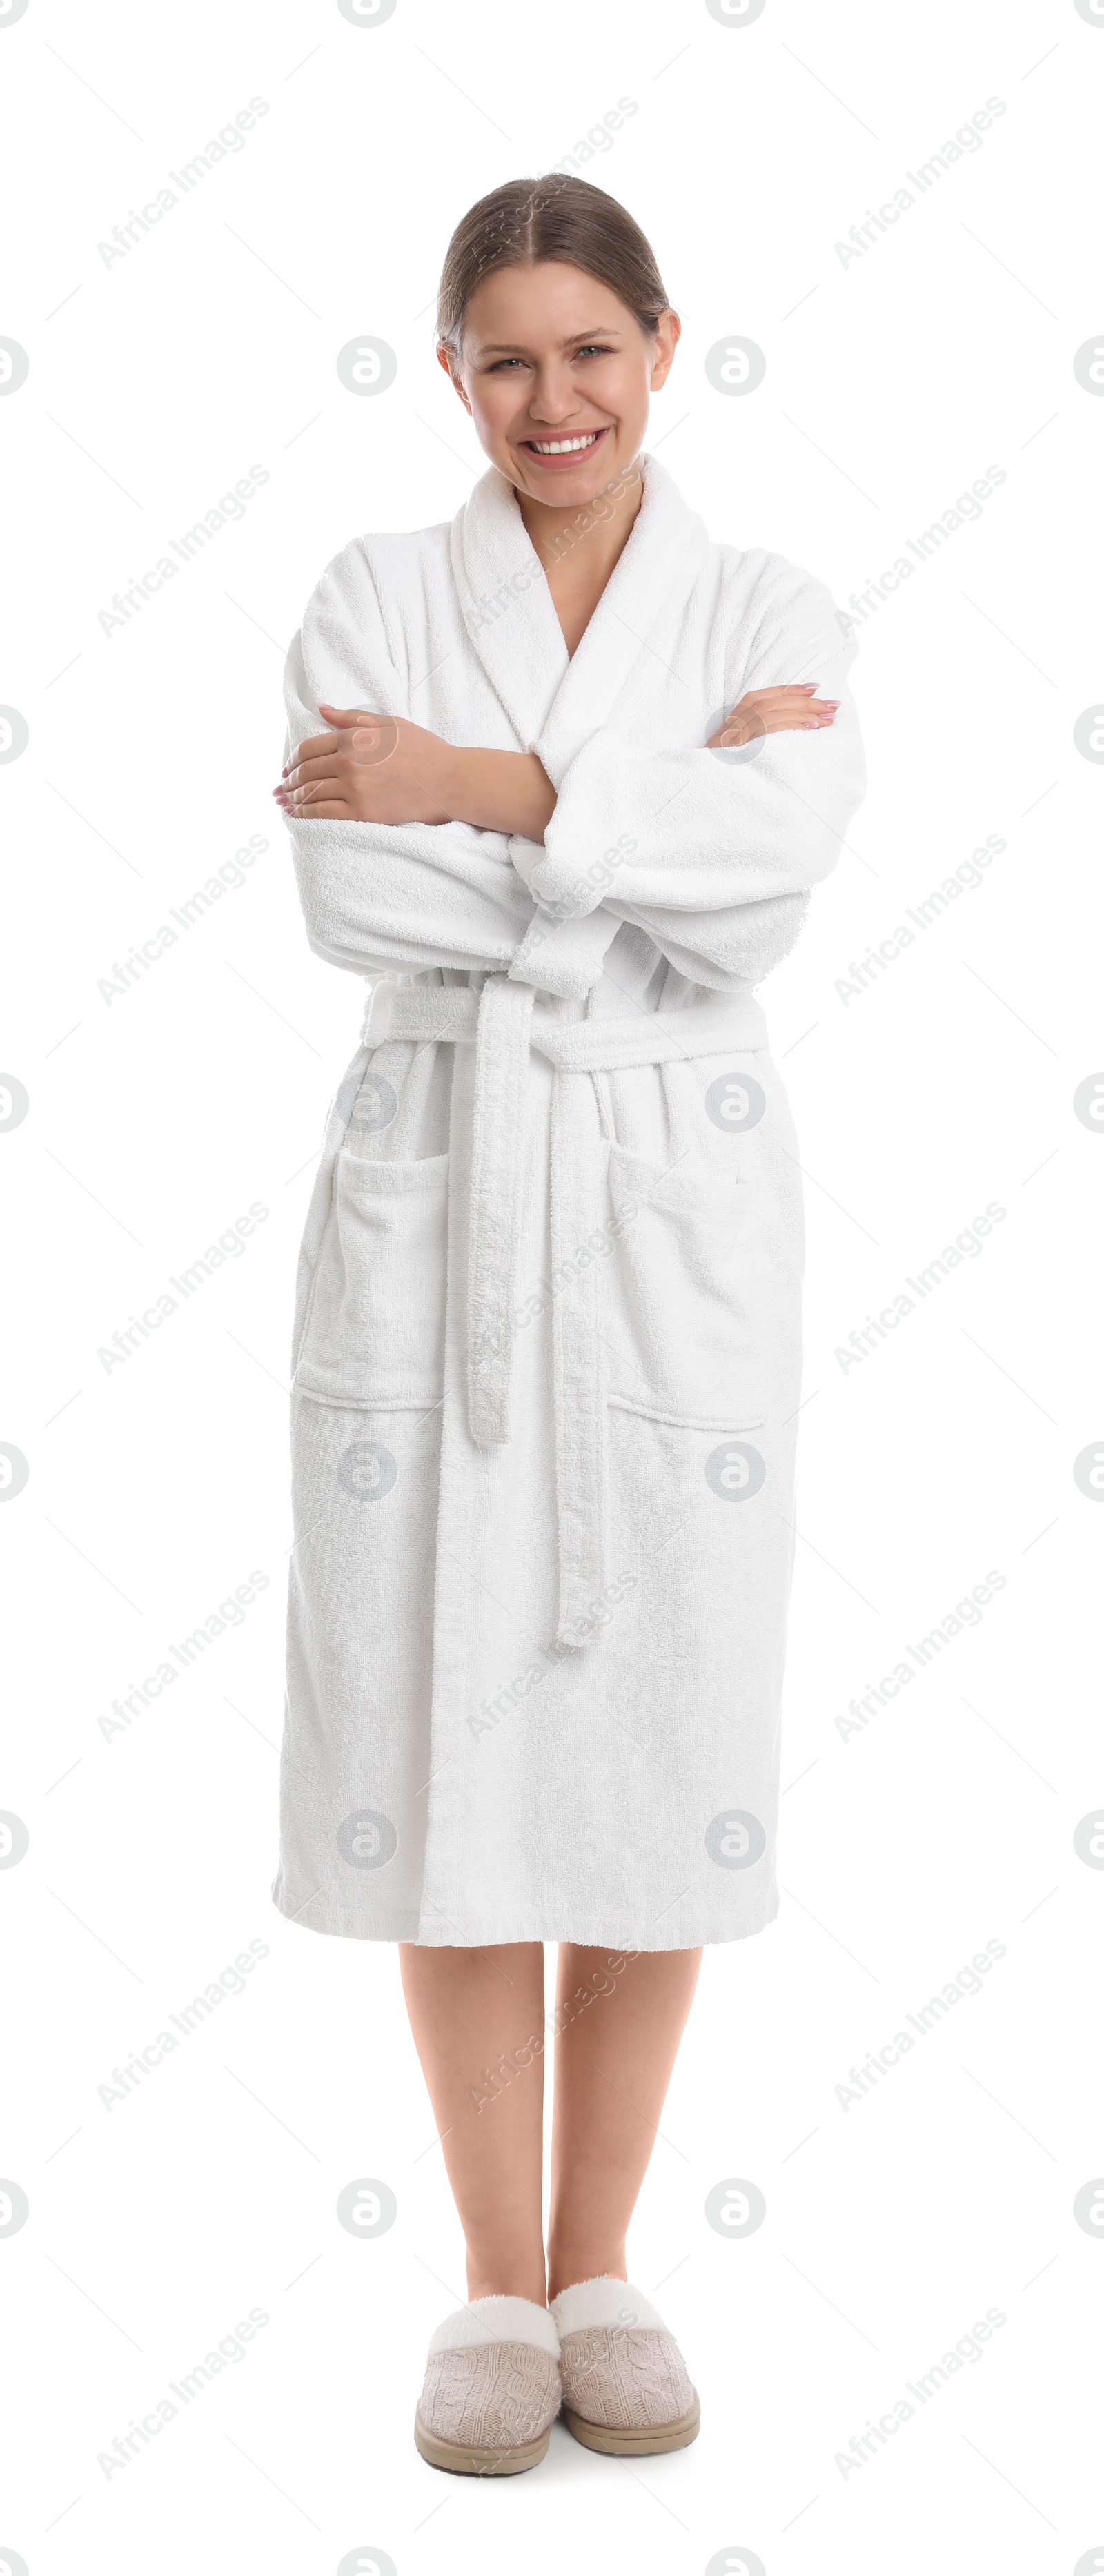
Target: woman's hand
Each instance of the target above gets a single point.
(382, 769)
(782, 710)
(370, 769)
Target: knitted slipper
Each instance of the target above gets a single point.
(625, 2386)
(492, 2389)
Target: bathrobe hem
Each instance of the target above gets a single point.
(405, 1926)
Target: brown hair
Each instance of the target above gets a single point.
(558, 217)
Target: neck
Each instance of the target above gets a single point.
(594, 532)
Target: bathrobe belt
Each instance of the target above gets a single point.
(504, 1021)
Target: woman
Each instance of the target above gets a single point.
(550, 787)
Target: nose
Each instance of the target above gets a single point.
(554, 398)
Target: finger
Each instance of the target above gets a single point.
(368, 735)
(784, 691)
(324, 766)
(331, 811)
(312, 749)
(319, 789)
(349, 715)
(761, 703)
(796, 710)
(770, 720)
(778, 689)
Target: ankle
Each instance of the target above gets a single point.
(497, 2276)
(582, 2263)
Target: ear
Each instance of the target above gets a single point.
(668, 335)
(446, 359)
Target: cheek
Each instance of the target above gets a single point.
(627, 395)
(497, 402)
(621, 390)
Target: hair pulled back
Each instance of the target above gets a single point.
(559, 217)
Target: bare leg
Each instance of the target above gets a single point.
(477, 2017)
(613, 2066)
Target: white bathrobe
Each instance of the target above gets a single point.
(547, 1346)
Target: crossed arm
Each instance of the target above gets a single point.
(382, 769)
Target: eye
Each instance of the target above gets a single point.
(594, 349)
(498, 363)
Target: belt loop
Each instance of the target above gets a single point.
(377, 1011)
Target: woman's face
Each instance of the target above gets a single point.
(551, 356)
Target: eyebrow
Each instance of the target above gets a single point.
(518, 348)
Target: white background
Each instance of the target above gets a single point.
(157, 1117)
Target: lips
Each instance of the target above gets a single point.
(566, 453)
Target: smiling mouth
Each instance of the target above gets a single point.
(577, 446)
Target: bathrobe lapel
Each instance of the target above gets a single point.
(506, 604)
(556, 702)
(513, 626)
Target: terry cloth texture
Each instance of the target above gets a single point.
(547, 1342)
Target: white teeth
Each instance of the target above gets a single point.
(563, 446)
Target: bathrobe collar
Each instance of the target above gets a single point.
(515, 632)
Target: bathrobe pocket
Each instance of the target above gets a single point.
(682, 1345)
(375, 1328)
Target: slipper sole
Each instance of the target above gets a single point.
(467, 2462)
(636, 2442)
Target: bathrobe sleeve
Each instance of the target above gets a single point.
(377, 896)
(714, 856)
